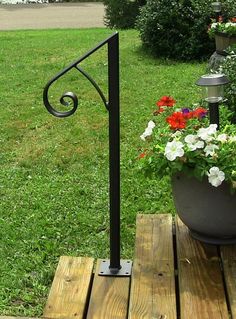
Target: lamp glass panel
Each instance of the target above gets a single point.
(216, 6)
(213, 94)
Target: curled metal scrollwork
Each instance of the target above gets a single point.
(69, 95)
(72, 96)
(57, 113)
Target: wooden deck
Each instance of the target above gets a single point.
(173, 277)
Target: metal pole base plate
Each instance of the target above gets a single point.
(124, 271)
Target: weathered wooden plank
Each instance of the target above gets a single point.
(6, 317)
(109, 297)
(228, 255)
(153, 279)
(200, 279)
(68, 294)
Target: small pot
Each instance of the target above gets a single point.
(209, 212)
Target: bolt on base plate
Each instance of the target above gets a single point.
(124, 271)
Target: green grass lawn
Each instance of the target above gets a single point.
(54, 172)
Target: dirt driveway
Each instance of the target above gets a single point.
(45, 16)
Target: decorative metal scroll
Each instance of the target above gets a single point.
(71, 95)
(114, 267)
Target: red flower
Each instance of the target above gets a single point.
(176, 121)
(143, 154)
(200, 112)
(220, 19)
(233, 19)
(166, 101)
(189, 115)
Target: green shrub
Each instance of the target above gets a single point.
(228, 8)
(228, 67)
(52, 1)
(176, 29)
(122, 13)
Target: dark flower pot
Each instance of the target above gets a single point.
(223, 41)
(209, 212)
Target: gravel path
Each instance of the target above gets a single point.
(46, 16)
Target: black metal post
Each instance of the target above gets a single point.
(114, 154)
(114, 266)
(217, 16)
(214, 114)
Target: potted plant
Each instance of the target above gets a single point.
(224, 34)
(201, 161)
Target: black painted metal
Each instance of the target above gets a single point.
(217, 16)
(114, 146)
(214, 114)
(112, 105)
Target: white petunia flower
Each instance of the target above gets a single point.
(206, 133)
(222, 138)
(146, 133)
(176, 134)
(193, 142)
(151, 124)
(232, 138)
(148, 130)
(230, 24)
(210, 149)
(211, 129)
(173, 150)
(215, 176)
(214, 25)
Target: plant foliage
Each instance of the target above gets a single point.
(228, 67)
(122, 13)
(176, 29)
